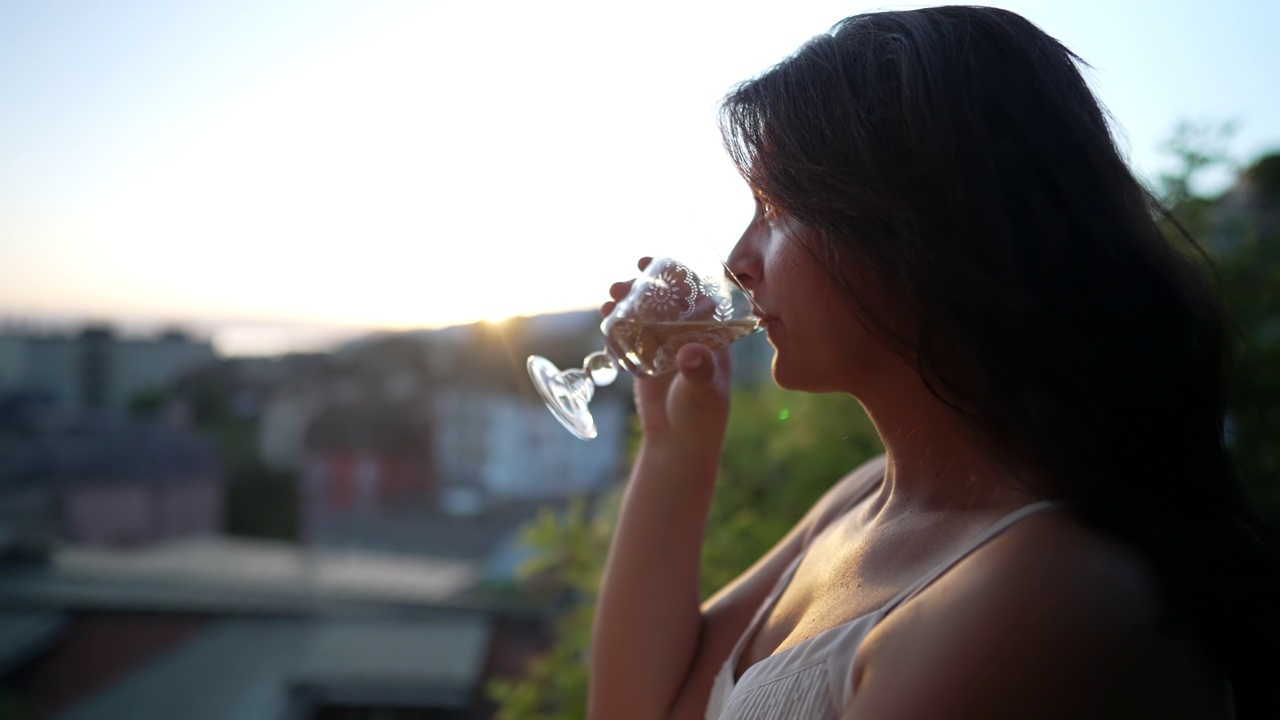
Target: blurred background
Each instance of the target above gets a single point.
(269, 272)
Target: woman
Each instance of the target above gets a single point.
(945, 230)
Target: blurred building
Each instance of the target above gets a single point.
(494, 437)
(221, 629)
(397, 433)
(106, 480)
(497, 448)
(95, 368)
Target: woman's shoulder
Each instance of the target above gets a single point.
(1048, 619)
(1045, 576)
(1050, 560)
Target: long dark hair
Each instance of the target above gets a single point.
(957, 158)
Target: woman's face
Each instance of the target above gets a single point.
(820, 343)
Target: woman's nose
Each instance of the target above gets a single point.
(744, 259)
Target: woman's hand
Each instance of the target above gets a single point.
(688, 407)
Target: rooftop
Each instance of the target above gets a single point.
(273, 668)
(231, 575)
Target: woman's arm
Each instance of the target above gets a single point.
(648, 622)
(655, 652)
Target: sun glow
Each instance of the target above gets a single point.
(333, 193)
(399, 165)
(373, 184)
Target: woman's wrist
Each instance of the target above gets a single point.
(677, 454)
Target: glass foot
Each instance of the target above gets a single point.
(566, 395)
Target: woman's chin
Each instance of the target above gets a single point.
(790, 378)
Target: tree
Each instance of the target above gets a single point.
(783, 450)
(1240, 232)
(566, 571)
(1244, 226)
(1195, 148)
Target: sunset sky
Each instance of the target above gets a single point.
(273, 174)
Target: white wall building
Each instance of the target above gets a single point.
(141, 365)
(512, 448)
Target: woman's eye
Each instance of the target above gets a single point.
(768, 211)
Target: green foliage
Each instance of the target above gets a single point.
(1255, 400)
(13, 707)
(148, 403)
(782, 452)
(570, 550)
(1195, 147)
(1242, 230)
(262, 503)
(1264, 176)
(1248, 268)
(237, 441)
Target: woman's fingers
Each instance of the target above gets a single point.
(619, 290)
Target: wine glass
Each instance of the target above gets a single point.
(668, 306)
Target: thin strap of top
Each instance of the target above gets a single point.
(910, 591)
(964, 550)
(836, 648)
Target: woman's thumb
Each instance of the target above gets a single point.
(697, 364)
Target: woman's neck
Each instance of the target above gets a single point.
(938, 459)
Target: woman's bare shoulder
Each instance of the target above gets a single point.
(1049, 619)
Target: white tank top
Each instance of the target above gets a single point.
(814, 679)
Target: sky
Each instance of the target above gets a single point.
(276, 175)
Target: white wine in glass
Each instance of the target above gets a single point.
(668, 307)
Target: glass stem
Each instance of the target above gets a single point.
(599, 367)
(580, 383)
